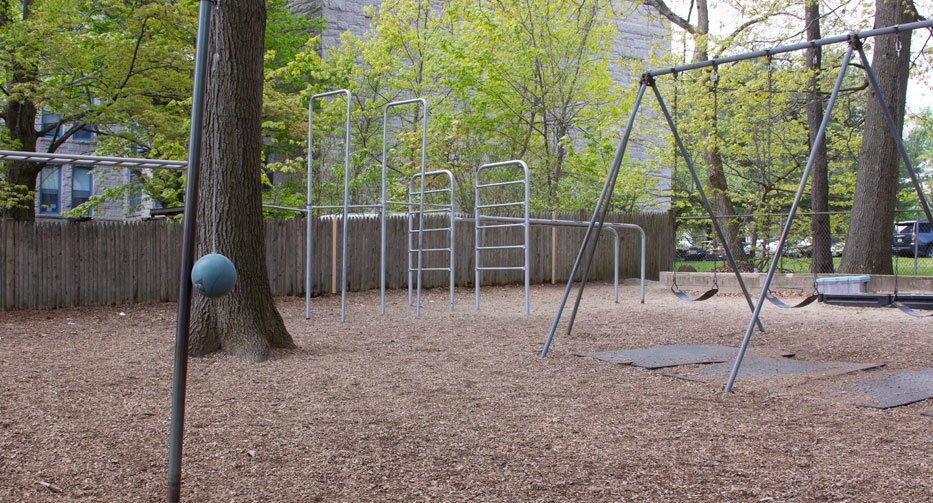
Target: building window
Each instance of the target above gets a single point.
(51, 121)
(81, 185)
(86, 133)
(135, 198)
(50, 183)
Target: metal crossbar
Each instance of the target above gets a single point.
(91, 160)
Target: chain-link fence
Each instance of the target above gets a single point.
(816, 243)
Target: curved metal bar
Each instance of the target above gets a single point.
(385, 204)
(309, 207)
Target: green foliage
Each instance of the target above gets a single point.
(761, 131)
(919, 146)
(504, 80)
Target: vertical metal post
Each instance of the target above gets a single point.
(527, 244)
(766, 285)
(382, 254)
(309, 204)
(180, 374)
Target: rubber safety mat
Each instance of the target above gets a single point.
(762, 366)
(675, 355)
(892, 388)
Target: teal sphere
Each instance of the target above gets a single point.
(213, 275)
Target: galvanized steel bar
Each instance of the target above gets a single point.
(599, 214)
(705, 201)
(450, 209)
(477, 227)
(309, 208)
(792, 48)
(766, 285)
(183, 323)
(385, 207)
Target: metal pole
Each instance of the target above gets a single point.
(705, 201)
(821, 133)
(793, 47)
(308, 205)
(424, 149)
(604, 198)
(180, 375)
(346, 218)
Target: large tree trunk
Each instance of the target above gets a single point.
(822, 259)
(245, 323)
(20, 117)
(868, 244)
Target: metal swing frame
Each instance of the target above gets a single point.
(648, 80)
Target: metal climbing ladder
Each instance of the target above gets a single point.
(486, 225)
(434, 197)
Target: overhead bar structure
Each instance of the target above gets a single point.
(648, 80)
(344, 209)
(91, 160)
(385, 203)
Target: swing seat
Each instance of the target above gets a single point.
(783, 305)
(704, 296)
(910, 303)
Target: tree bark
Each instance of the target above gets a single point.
(822, 258)
(19, 113)
(868, 243)
(245, 323)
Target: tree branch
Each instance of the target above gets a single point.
(666, 11)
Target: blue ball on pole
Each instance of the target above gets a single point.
(213, 275)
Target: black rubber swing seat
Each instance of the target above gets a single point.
(909, 310)
(704, 296)
(783, 305)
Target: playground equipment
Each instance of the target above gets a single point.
(649, 80)
(437, 198)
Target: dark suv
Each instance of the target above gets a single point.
(913, 236)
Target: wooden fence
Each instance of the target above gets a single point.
(48, 265)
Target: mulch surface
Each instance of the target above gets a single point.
(458, 406)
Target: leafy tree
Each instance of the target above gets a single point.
(96, 64)
(868, 243)
(244, 323)
(504, 80)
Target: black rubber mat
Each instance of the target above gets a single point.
(893, 388)
(759, 366)
(675, 355)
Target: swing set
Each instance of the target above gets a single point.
(648, 80)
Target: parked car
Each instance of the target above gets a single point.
(912, 236)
